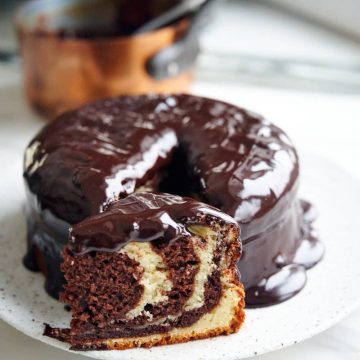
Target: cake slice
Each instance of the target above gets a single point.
(151, 269)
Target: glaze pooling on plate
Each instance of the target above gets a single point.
(226, 156)
(291, 278)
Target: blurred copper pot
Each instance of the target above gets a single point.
(63, 70)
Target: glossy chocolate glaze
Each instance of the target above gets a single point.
(289, 267)
(144, 217)
(231, 158)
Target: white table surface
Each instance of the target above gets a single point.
(327, 124)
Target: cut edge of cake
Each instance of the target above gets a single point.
(233, 297)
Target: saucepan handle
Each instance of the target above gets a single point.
(181, 55)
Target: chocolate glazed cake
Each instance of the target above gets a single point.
(154, 269)
(221, 154)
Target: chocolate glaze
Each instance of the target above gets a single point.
(142, 216)
(234, 160)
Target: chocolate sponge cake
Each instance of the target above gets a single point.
(151, 269)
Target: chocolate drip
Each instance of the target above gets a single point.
(235, 160)
(281, 286)
(289, 279)
(310, 250)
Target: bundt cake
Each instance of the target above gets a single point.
(185, 145)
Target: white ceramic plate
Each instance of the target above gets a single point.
(331, 293)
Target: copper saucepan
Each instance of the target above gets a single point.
(74, 52)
